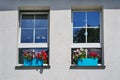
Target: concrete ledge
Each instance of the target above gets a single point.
(31, 67)
(87, 67)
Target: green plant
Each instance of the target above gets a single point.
(27, 55)
(79, 54)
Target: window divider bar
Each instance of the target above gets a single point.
(34, 30)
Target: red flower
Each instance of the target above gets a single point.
(27, 55)
(44, 54)
(93, 54)
(38, 55)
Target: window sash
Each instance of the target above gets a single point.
(86, 27)
(33, 45)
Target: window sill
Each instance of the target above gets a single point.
(31, 67)
(87, 67)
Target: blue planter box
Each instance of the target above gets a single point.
(88, 62)
(40, 62)
(37, 62)
(33, 62)
(27, 62)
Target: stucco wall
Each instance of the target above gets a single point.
(60, 41)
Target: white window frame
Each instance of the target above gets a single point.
(32, 45)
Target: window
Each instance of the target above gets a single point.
(33, 38)
(87, 49)
(86, 27)
(34, 28)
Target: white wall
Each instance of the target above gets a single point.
(60, 41)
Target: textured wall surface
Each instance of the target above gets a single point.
(60, 40)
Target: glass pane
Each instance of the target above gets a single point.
(93, 19)
(41, 35)
(79, 19)
(27, 36)
(27, 21)
(93, 35)
(41, 21)
(23, 51)
(78, 35)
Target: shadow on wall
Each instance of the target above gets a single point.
(7, 5)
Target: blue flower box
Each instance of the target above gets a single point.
(27, 62)
(40, 62)
(37, 62)
(88, 62)
(34, 62)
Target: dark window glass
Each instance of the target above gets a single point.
(41, 21)
(93, 35)
(79, 19)
(78, 35)
(27, 36)
(27, 21)
(85, 53)
(41, 35)
(34, 50)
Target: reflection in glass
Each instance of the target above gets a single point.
(78, 35)
(41, 35)
(27, 21)
(79, 19)
(41, 21)
(93, 35)
(26, 36)
(93, 19)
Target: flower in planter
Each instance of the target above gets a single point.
(93, 55)
(27, 55)
(79, 54)
(42, 55)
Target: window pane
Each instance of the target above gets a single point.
(26, 36)
(78, 35)
(86, 56)
(93, 35)
(41, 21)
(78, 19)
(93, 19)
(27, 21)
(33, 50)
(41, 35)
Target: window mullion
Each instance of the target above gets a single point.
(86, 33)
(34, 29)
